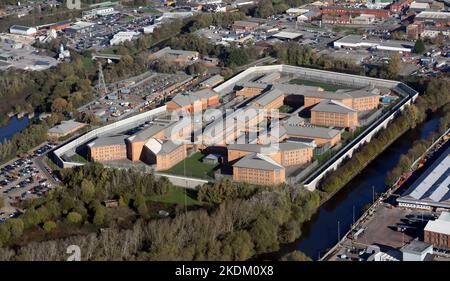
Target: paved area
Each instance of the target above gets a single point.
(25, 177)
(382, 228)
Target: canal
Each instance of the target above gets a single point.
(321, 232)
(13, 126)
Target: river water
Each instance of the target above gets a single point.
(13, 126)
(321, 232)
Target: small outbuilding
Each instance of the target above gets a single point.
(212, 159)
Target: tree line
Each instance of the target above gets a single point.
(228, 227)
(418, 148)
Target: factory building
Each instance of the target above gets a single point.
(64, 129)
(22, 30)
(431, 190)
(437, 232)
(357, 41)
(175, 56)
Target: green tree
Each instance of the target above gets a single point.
(87, 191)
(419, 47)
(16, 227)
(394, 65)
(296, 256)
(49, 226)
(5, 234)
(74, 217)
(100, 213)
(31, 218)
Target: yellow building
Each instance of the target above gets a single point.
(108, 149)
(334, 114)
(258, 169)
(163, 154)
(321, 136)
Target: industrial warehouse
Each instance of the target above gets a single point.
(431, 190)
(265, 126)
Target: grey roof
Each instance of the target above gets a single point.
(106, 141)
(314, 132)
(250, 84)
(169, 146)
(416, 247)
(354, 39)
(214, 79)
(253, 148)
(168, 51)
(368, 91)
(268, 97)
(65, 127)
(432, 188)
(212, 156)
(269, 148)
(268, 78)
(184, 99)
(332, 106)
(149, 132)
(313, 91)
(295, 89)
(258, 161)
(20, 27)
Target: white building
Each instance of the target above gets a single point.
(150, 28)
(22, 30)
(357, 41)
(123, 36)
(99, 12)
(416, 251)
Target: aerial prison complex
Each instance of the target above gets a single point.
(265, 126)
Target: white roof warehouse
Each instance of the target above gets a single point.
(356, 41)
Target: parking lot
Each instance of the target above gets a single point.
(148, 89)
(105, 28)
(25, 177)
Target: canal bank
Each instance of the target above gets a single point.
(338, 213)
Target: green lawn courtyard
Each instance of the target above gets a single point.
(325, 86)
(194, 168)
(177, 196)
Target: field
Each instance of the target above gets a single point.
(194, 168)
(177, 196)
(325, 86)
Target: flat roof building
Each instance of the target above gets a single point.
(213, 81)
(416, 251)
(22, 30)
(241, 25)
(64, 129)
(431, 189)
(123, 36)
(357, 41)
(175, 56)
(437, 232)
